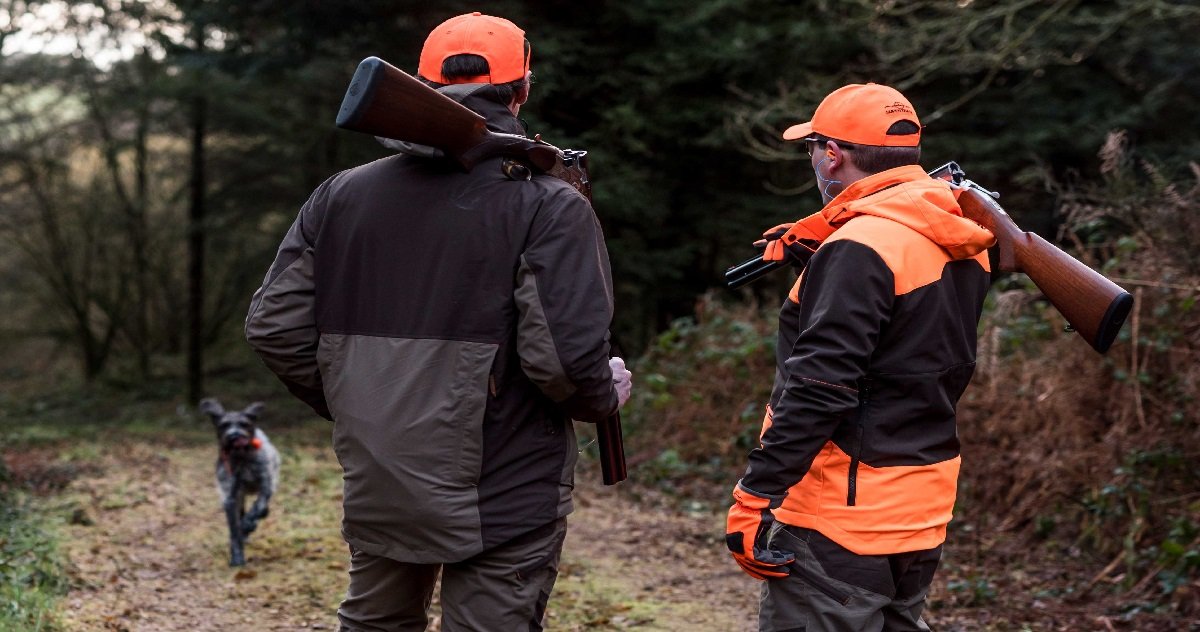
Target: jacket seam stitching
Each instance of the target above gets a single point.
(816, 381)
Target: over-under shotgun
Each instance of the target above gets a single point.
(1094, 306)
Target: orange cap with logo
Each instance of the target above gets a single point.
(861, 114)
(495, 39)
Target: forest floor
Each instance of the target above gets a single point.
(136, 515)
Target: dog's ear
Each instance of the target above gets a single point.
(254, 411)
(212, 408)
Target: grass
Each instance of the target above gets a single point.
(123, 527)
(54, 435)
(32, 578)
(589, 597)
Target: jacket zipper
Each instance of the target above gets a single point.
(859, 431)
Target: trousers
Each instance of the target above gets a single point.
(505, 588)
(831, 589)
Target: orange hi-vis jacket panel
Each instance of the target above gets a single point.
(876, 345)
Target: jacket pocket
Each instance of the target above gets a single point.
(825, 587)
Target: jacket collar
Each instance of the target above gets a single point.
(835, 211)
(908, 196)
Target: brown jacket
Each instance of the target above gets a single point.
(451, 324)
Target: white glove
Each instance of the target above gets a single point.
(622, 380)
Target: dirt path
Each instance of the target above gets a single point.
(145, 541)
(155, 557)
(147, 549)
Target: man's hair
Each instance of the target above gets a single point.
(873, 158)
(469, 65)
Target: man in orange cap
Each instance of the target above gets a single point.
(452, 324)
(844, 505)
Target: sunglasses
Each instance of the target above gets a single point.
(810, 145)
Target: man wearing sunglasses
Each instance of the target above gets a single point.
(844, 505)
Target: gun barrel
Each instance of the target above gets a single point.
(749, 271)
(612, 449)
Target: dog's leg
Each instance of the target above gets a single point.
(265, 473)
(259, 510)
(233, 511)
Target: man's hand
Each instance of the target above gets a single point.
(779, 245)
(622, 380)
(749, 520)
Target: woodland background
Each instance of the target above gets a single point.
(152, 154)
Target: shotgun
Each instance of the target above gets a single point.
(1094, 306)
(383, 100)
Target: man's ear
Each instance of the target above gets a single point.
(836, 155)
(254, 411)
(521, 95)
(212, 408)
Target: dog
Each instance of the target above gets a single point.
(247, 463)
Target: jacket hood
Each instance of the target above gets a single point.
(908, 196)
(481, 98)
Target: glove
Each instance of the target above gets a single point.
(749, 520)
(778, 245)
(622, 380)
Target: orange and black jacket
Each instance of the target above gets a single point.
(876, 345)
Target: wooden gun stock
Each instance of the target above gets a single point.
(383, 100)
(1093, 306)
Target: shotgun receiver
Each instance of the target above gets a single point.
(383, 100)
(1094, 307)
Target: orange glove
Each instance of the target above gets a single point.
(778, 245)
(749, 520)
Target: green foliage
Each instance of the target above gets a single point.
(972, 591)
(32, 577)
(679, 103)
(1130, 502)
(698, 404)
(1179, 554)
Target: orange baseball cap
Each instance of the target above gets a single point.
(861, 114)
(495, 39)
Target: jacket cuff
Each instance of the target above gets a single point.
(755, 499)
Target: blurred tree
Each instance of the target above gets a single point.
(680, 104)
(54, 211)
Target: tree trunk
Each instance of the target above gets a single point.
(140, 229)
(196, 229)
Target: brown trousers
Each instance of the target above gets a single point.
(503, 589)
